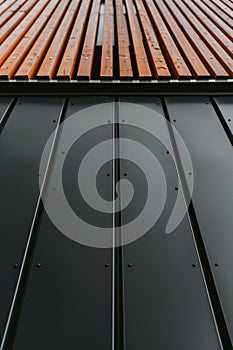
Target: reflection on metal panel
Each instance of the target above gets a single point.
(166, 303)
(212, 157)
(21, 143)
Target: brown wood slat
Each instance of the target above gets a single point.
(12, 24)
(192, 55)
(11, 11)
(219, 12)
(209, 43)
(106, 68)
(31, 63)
(17, 34)
(7, 4)
(143, 66)
(212, 28)
(202, 50)
(217, 20)
(87, 56)
(68, 63)
(173, 55)
(125, 66)
(10, 66)
(54, 53)
(228, 3)
(154, 51)
(224, 7)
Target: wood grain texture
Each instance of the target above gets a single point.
(138, 39)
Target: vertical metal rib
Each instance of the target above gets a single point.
(214, 301)
(118, 313)
(10, 327)
(7, 113)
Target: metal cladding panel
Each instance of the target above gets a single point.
(165, 299)
(68, 301)
(212, 157)
(225, 105)
(21, 143)
(156, 291)
(4, 105)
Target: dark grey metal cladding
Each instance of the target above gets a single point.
(5, 102)
(21, 144)
(68, 301)
(165, 299)
(212, 157)
(225, 105)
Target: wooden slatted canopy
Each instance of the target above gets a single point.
(140, 39)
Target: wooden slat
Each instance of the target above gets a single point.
(68, 63)
(9, 27)
(143, 66)
(106, 68)
(7, 4)
(223, 40)
(219, 12)
(141, 39)
(87, 56)
(193, 56)
(125, 66)
(173, 55)
(154, 51)
(31, 63)
(224, 7)
(229, 3)
(10, 66)
(214, 50)
(54, 53)
(17, 34)
(11, 11)
(217, 20)
(199, 47)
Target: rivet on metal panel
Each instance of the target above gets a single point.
(176, 188)
(216, 264)
(194, 265)
(38, 265)
(130, 265)
(16, 265)
(108, 174)
(125, 174)
(107, 265)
